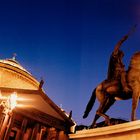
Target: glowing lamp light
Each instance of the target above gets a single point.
(13, 101)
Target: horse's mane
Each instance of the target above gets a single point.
(133, 76)
(135, 61)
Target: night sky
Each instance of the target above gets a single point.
(68, 44)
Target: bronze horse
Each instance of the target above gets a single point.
(108, 95)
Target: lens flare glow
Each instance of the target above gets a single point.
(13, 101)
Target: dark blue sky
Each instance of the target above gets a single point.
(68, 43)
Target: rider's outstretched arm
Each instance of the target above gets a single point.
(118, 45)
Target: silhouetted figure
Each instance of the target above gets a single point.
(70, 114)
(41, 84)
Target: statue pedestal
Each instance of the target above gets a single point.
(125, 131)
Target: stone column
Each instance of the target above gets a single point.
(9, 126)
(52, 134)
(2, 116)
(4, 126)
(35, 131)
(27, 135)
(23, 127)
(18, 135)
(43, 133)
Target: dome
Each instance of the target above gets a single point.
(13, 75)
(14, 63)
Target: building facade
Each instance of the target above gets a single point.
(26, 112)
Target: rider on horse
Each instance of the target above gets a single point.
(114, 86)
(116, 69)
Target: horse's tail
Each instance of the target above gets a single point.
(90, 104)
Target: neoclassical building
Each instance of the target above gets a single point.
(26, 112)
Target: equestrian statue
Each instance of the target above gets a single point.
(119, 85)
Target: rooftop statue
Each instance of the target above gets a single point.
(120, 84)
